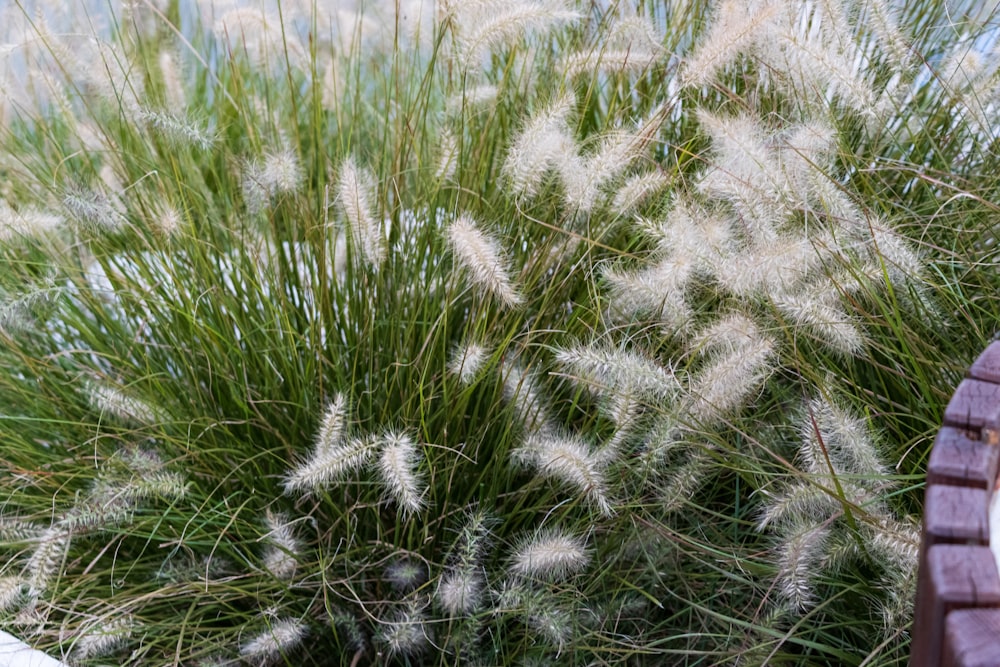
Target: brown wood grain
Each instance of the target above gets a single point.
(952, 576)
(972, 638)
(987, 366)
(956, 514)
(974, 405)
(959, 460)
(956, 619)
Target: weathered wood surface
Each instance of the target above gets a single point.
(987, 366)
(958, 460)
(975, 405)
(956, 515)
(957, 614)
(955, 576)
(971, 638)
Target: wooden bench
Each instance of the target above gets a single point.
(957, 615)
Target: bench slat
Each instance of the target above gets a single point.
(975, 405)
(956, 515)
(972, 638)
(953, 576)
(987, 366)
(959, 460)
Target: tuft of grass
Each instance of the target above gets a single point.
(484, 333)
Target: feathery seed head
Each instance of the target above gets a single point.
(102, 639)
(14, 530)
(510, 596)
(542, 145)
(820, 65)
(611, 61)
(637, 189)
(406, 574)
(13, 593)
(282, 172)
(822, 313)
(105, 71)
(397, 467)
(618, 371)
(745, 172)
(807, 147)
(25, 223)
(16, 310)
(584, 179)
(797, 505)
(93, 210)
(161, 484)
(692, 230)
(727, 382)
(141, 460)
(884, 21)
(488, 26)
(483, 260)
(550, 555)
(569, 461)
(898, 541)
(278, 173)
(830, 435)
(274, 643)
(330, 466)
(521, 390)
(173, 85)
(657, 291)
(176, 129)
(105, 507)
(631, 31)
(903, 263)
(728, 334)
(474, 538)
(467, 361)
(333, 425)
(281, 556)
(113, 401)
(684, 480)
(774, 269)
(448, 158)
(353, 634)
(554, 624)
(406, 633)
(736, 28)
(800, 554)
(897, 609)
(460, 590)
(168, 220)
(354, 191)
(470, 98)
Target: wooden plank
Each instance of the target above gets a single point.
(952, 576)
(975, 404)
(987, 366)
(959, 460)
(956, 515)
(972, 638)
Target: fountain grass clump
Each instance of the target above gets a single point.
(485, 333)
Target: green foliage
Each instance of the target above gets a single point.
(510, 332)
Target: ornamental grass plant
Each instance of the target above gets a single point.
(482, 333)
